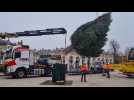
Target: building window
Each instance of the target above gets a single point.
(107, 61)
(77, 59)
(110, 61)
(71, 63)
(83, 59)
(71, 59)
(77, 63)
(102, 60)
(63, 59)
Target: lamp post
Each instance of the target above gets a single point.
(65, 39)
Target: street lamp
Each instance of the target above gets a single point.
(65, 39)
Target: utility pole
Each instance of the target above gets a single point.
(65, 40)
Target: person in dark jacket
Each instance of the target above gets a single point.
(108, 70)
(104, 69)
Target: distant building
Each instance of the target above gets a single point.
(73, 60)
(36, 56)
(6, 42)
(105, 56)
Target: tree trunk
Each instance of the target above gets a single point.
(114, 59)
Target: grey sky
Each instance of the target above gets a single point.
(121, 28)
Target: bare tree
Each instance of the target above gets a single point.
(115, 49)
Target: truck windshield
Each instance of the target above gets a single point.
(17, 55)
(8, 54)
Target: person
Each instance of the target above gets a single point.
(84, 70)
(91, 68)
(108, 68)
(80, 65)
(104, 69)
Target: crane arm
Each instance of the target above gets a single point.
(51, 31)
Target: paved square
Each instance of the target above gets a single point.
(93, 80)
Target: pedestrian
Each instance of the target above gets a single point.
(91, 68)
(108, 68)
(80, 66)
(103, 69)
(84, 70)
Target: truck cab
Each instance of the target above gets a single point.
(20, 63)
(17, 60)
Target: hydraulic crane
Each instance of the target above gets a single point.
(19, 62)
(51, 31)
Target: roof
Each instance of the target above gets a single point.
(68, 49)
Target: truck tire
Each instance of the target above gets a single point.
(20, 73)
(48, 71)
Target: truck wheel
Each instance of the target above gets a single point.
(20, 74)
(48, 71)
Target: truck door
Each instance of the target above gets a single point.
(24, 59)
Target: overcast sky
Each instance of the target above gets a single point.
(121, 28)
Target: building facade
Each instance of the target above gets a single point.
(73, 60)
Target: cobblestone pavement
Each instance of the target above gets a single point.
(93, 80)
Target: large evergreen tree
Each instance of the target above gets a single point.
(89, 39)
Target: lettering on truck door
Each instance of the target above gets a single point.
(24, 60)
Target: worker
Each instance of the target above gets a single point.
(91, 68)
(80, 65)
(84, 70)
(103, 69)
(108, 68)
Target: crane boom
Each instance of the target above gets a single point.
(51, 31)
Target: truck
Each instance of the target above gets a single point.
(19, 60)
(127, 66)
(19, 63)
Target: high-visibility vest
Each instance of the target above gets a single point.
(107, 66)
(104, 66)
(84, 68)
(80, 66)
